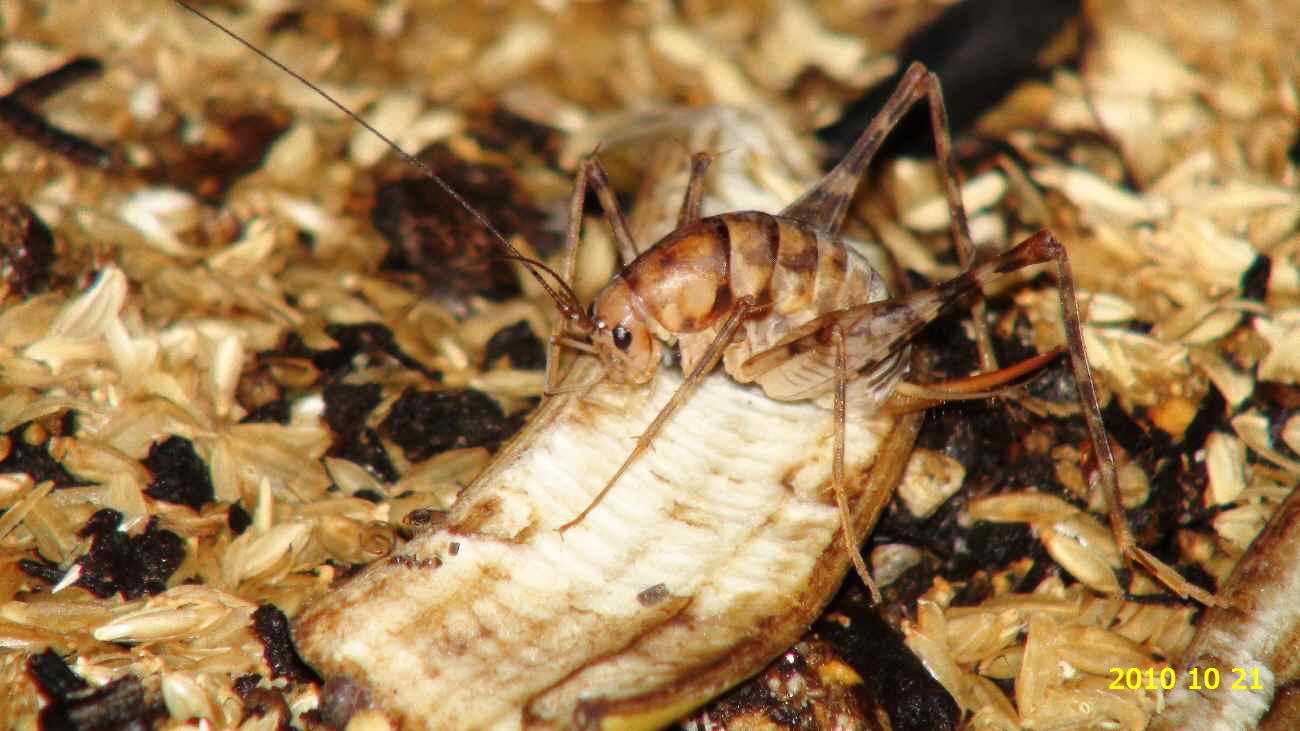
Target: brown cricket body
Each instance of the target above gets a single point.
(685, 287)
(779, 300)
(800, 282)
(782, 303)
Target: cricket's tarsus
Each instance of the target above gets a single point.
(780, 302)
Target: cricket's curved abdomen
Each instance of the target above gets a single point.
(691, 280)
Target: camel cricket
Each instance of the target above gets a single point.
(583, 582)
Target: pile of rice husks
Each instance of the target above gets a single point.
(243, 351)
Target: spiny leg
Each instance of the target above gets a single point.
(826, 203)
(744, 308)
(874, 330)
(694, 189)
(837, 466)
(883, 327)
(908, 397)
(958, 222)
(1101, 442)
(1044, 247)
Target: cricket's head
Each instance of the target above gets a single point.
(620, 336)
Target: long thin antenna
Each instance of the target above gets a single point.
(572, 297)
(566, 305)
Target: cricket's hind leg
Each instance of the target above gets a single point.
(861, 336)
(826, 203)
(852, 542)
(1101, 442)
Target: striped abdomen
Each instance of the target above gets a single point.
(690, 281)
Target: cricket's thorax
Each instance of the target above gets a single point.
(691, 280)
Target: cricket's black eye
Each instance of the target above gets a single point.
(622, 338)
